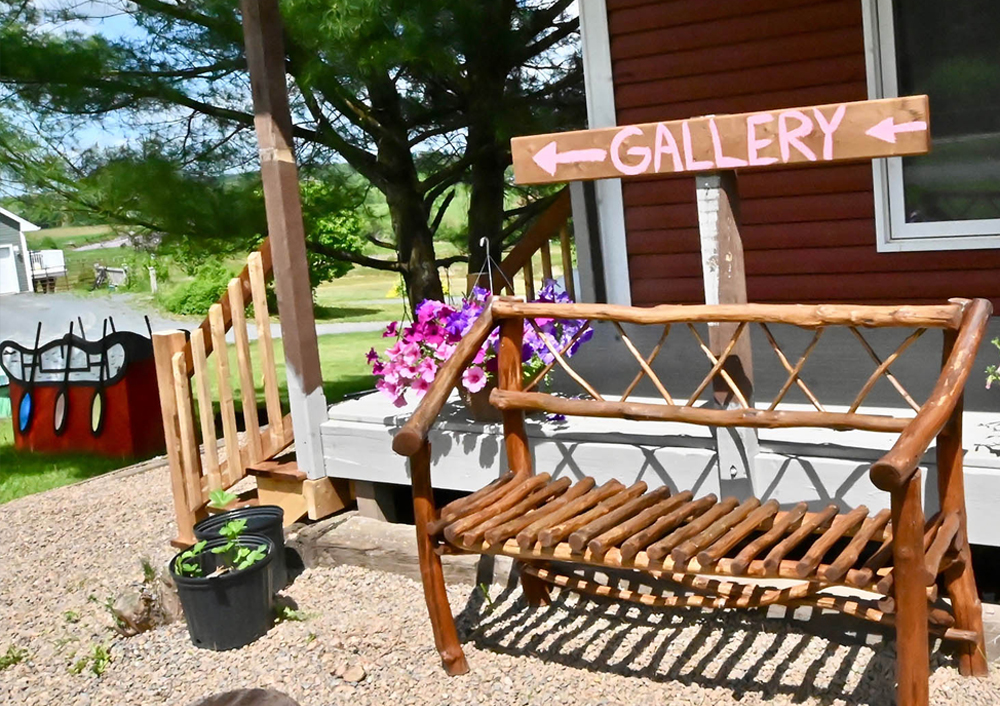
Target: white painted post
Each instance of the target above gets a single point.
(725, 283)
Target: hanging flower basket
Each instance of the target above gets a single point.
(409, 366)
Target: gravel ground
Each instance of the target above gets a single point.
(70, 549)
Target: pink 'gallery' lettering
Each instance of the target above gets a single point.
(825, 133)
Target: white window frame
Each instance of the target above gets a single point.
(893, 233)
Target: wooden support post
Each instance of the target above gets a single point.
(165, 344)
(435, 593)
(725, 283)
(511, 377)
(910, 592)
(959, 579)
(262, 33)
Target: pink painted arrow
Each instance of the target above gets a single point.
(548, 158)
(887, 131)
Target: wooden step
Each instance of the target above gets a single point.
(281, 482)
(281, 469)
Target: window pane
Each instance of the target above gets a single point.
(951, 51)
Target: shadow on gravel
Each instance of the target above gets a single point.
(813, 654)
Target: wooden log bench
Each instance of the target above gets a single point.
(907, 562)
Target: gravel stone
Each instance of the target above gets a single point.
(72, 549)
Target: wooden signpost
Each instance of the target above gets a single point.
(824, 133)
(712, 148)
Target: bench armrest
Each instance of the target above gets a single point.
(412, 436)
(896, 467)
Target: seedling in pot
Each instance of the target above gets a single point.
(234, 556)
(220, 498)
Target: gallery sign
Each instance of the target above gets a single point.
(824, 133)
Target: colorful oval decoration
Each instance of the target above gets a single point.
(24, 413)
(59, 416)
(97, 412)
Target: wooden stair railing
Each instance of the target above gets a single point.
(205, 357)
(552, 222)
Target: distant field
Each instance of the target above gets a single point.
(71, 236)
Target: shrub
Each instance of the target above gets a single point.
(195, 298)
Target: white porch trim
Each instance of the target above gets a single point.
(600, 92)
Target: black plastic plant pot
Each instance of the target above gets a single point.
(267, 520)
(232, 609)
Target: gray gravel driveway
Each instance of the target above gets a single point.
(70, 549)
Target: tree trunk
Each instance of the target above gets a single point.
(414, 244)
(485, 199)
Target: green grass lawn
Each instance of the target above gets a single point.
(23, 472)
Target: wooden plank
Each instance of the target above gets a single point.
(776, 23)
(672, 13)
(771, 51)
(265, 346)
(735, 82)
(809, 525)
(849, 556)
(940, 316)
(265, 54)
(546, 254)
(826, 133)
(551, 536)
(165, 346)
(852, 91)
(230, 434)
(841, 525)
(763, 237)
(785, 208)
(244, 366)
(529, 280)
(910, 593)
(514, 526)
(528, 504)
(567, 262)
(325, 496)
(712, 553)
(959, 579)
(190, 457)
(510, 377)
(831, 288)
(757, 418)
(263, 252)
(206, 409)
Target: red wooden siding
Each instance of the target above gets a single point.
(808, 233)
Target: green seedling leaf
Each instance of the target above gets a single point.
(220, 498)
(233, 529)
(253, 557)
(184, 567)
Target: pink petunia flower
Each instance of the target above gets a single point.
(391, 330)
(371, 356)
(420, 387)
(474, 379)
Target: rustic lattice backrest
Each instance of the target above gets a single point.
(739, 319)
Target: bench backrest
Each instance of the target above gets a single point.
(961, 340)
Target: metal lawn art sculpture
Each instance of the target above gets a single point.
(71, 394)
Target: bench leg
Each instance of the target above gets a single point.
(912, 650)
(431, 574)
(536, 591)
(959, 580)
